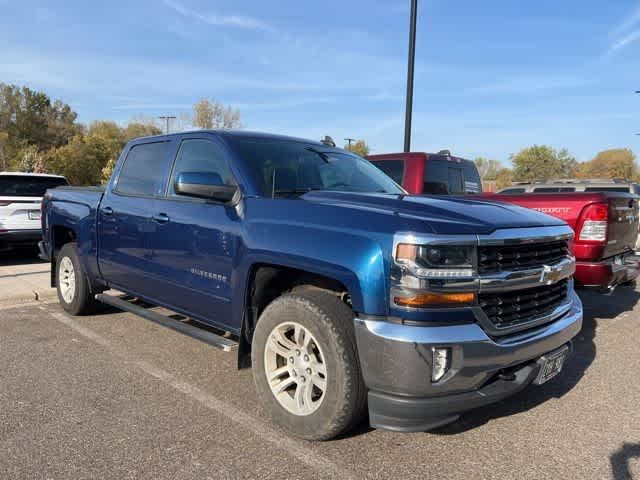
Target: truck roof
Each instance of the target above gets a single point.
(240, 133)
(432, 156)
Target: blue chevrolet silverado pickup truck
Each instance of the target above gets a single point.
(344, 294)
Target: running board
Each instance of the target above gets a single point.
(205, 336)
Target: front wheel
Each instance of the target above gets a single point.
(305, 365)
(74, 292)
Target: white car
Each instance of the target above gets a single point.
(20, 198)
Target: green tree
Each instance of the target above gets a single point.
(359, 147)
(209, 114)
(541, 162)
(82, 159)
(488, 169)
(613, 163)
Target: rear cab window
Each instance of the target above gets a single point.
(393, 168)
(28, 186)
(443, 176)
(143, 171)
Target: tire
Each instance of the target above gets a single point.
(329, 322)
(74, 292)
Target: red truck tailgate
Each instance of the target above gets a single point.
(622, 217)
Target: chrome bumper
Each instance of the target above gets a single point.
(396, 358)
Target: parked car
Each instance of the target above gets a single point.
(574, 185)
(430, 173)
(339, 290)
(20, 199)
(606, 229)
(578, 185)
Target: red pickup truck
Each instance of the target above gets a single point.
(605, 224)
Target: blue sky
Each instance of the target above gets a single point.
(491, 77)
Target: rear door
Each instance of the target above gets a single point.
(442, 177)
(126, 218)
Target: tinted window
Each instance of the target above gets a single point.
(143, 169)
(285, 168)
(201, 156)
(393, 168)
(28, 186)
(442, 177)
(553, 189)
(607, 189)
(472, 182)
(512, 190)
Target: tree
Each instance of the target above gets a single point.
(82, 159)
(209, 114)
(541, 162)
(488, 169)
(613, 163)
(30, 159)
(359, 147)
(504, 178)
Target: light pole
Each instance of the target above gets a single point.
(349, 140)
(410, 68)
(166, 118)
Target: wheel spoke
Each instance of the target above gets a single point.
(277, 348)
(300, 396)
(298, 335)
(277, 373)
(320, 368)
(280, 387)
(308, 400)
(319, 382)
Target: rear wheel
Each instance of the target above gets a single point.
(305, 365)
(74, 292)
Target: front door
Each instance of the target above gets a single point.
(193, 250)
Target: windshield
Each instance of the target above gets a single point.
(28, 186)
(285, 168)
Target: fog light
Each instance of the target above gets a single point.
(441, 363)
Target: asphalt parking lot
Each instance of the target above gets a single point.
(114, 396)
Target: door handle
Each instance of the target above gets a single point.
(107, 211)
(161, 218)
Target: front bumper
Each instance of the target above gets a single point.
(607, 274)
(396, 361)
(16, 238)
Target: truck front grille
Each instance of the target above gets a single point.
(509, 309)
(497, 258)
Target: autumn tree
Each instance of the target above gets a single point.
(504, 178)
(487, 168)
(541, 162)
(209, 114)
(613, 163)
(359, 147)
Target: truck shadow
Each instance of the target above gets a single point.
(620, 461)
(597, 308)
(22, 256)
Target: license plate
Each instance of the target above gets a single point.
(34, 214)
(551, 365)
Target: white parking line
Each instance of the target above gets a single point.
(295, 448)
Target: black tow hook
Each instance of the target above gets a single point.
(507, 376)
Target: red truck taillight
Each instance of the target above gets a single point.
(593, 223)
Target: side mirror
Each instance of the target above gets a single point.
(204, 185)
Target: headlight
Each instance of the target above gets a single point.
(436, 261)
(420, 271)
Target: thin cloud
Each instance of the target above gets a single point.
(624, 41)
(628, 23)
(234, 21)
(625, 29)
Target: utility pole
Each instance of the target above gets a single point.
(410, 67)
(166, 118)
(349, 140)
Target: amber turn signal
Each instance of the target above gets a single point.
(436, 300)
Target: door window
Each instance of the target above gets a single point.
(203, 156)
(143, 170)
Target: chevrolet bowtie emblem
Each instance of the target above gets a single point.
(549, 275)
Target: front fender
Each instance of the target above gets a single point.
(355, 261)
